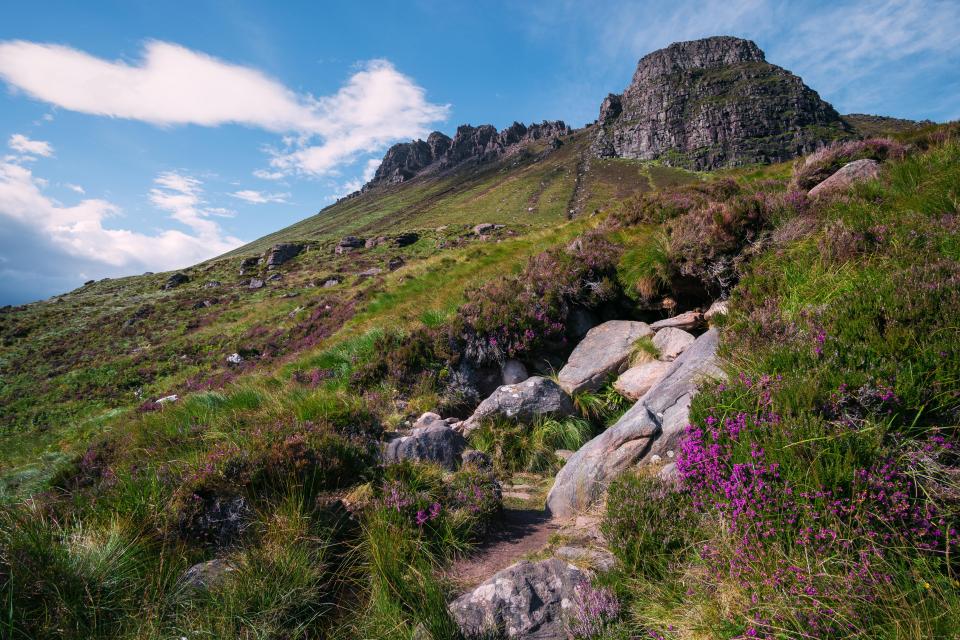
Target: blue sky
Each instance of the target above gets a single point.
(152, 135)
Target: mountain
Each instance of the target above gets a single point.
(714, 103)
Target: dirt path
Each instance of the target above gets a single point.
(520, 533)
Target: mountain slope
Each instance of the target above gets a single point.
(70, 364)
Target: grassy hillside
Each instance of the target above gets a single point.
(72, 365)
(818, 487)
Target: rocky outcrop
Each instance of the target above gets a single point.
(175, 281)
(405, 160)
(713, 103)
(846, 176)
(526, 600)
(605, 351)
(523, 402)
(651, 427)
(283, 253)
(348, 244)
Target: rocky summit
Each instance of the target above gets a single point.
(712, 103)
(439, 151)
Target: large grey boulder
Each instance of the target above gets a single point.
(848, 174)
(523, 402)
(525, 600)
(605, 351)
(436, 443)
(652, 426)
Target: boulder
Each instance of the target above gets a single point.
(275, 277)
(212, 284)
(332, 282)
(671, 342)
(523, 402)
(636, 381)
(348, 244)
(435, 442)
(235, 358)
(205, 576)
(847, 175)
(651, 427)
(255, 283)
(486, 228)
(395, 263)
(687, 321)
(282, 253)
(513, 372)
(176, 280)
(525, 600)
(605, 351)
(168, 399)
(406, 239)
(373, 243)
(369, 273)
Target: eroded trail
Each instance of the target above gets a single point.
(522, 532)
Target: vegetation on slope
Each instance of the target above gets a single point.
(817, 493)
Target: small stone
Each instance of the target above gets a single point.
(235, 358)
(166, 399)
(255, 283)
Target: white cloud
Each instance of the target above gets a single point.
(72, 235)
(260, 197)
(378, 105)
(173, 85)
(181, 196)
(263, 174)
(75, 188)
(22, 144)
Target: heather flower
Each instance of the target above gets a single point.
(594, 609)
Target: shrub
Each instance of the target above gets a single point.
(213, 506)
(518, 447)
(817, 167)
(649, 525)
(61, 580)
(517, 315)
(594, 609)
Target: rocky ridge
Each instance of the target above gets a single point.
(714, 103)
(405, 160)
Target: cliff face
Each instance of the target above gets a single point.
(408, 159)
(713, 103)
